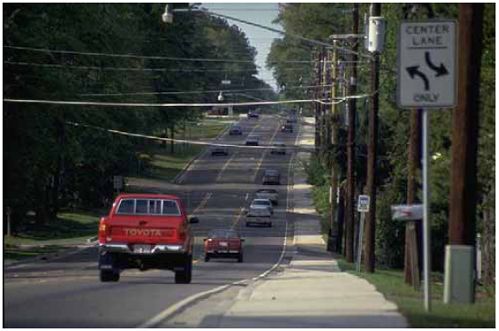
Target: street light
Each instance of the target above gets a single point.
(220, 97)
(167, 16)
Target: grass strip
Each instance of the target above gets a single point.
(162, 164)
(390, 282)
(69, 228)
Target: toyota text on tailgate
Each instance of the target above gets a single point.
(146, 231)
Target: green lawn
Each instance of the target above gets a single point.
(391, 283)
(70, 228)
(206, 129)
(20, 253)
(161, 164)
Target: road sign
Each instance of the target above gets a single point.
(118, 182)
(226, 82)
(427, 64)
(407, 212)
(363, 204)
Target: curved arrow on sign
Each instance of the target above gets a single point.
(413, 71)
(440, 71)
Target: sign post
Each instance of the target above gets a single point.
(362, 208)
(118, 183)
(8, 211)
(426, 79)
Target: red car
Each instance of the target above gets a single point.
(146, 231)
(223, 243)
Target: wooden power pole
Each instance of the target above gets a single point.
(462, 209)
(350, 191)
(317, 105)
(369, 262)
(333, 138)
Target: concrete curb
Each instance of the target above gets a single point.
(192, 300)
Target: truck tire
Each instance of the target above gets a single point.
(184, 276)
(240, 257)
(109, 276)
(206, 258)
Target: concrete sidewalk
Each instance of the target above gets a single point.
(309, 292)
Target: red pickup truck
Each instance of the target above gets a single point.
(146, 231)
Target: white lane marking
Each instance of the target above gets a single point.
(225, 167)
(170, 311)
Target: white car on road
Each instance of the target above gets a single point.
(261, 208)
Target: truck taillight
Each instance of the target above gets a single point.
(181, 234)
(103, 229)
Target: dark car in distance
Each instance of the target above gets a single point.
(253, 114)
(271, 177)
(219, 150)
(287, 128)
(279, 148)
(252, 140)
(236, 130)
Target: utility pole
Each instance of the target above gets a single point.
(352, 90)
(459, 254)
(412, 228)
(324, 121)
(411, 258)
(317, 105)
(334, 140)
(375, 10)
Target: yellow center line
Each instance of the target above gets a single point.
(258, 165)
(236, 221)
(203, 203)
(225, 167)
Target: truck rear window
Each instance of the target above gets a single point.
(148, 207)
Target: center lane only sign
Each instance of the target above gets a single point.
(426, 64)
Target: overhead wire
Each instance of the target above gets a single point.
(185, 141)
(165, 105)
(135, 56)
(311, 41)
(107, 68)
(204, 91)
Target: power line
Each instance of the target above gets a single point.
(169, 105)
(311, 41)
(77, 67)
(192, 142)
(158, 105)
(201, 91)
(134, 56)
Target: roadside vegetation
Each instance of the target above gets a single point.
(314, 21)
(50, 164)
(390, 282)
(160, 161)
(68, 229)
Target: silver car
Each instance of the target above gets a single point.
(261, 208)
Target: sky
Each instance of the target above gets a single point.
(261, 13)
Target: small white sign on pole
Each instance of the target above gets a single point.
(118, 182)
(363, 204)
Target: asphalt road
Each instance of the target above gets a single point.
(67, 292)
